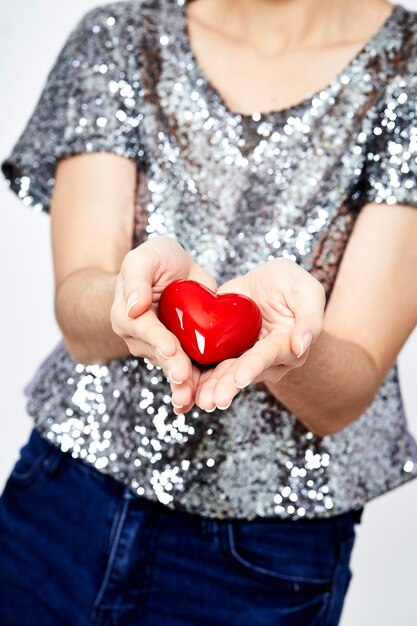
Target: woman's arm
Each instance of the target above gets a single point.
(102, 284)
(370, 314)
(82, 306)
(92, 220)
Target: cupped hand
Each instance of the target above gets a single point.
(292, 304)
(145, 272)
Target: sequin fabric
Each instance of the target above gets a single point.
(235, 190)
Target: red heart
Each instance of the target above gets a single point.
(210, 327)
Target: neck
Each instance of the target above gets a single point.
(272, 26)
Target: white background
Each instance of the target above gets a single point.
(382, 592)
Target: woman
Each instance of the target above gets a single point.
(258, 148)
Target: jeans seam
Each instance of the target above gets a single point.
(333, 594)
(113, 550)
(30, 473)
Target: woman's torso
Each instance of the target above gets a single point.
(235, 191)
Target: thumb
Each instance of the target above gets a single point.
(139, 299)
(309, 319)
(138, 271)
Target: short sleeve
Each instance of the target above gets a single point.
(389, 174)
(88, 104)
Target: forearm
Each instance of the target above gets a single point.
(333, 388)
(82, 307)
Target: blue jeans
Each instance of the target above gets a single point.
(77, 548)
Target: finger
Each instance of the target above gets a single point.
(309, 317)
(149, 328)
(207, 385)
(184, 403)
(152, 336)
(225, 389)
(183, 410)
(266, 353)
(146, 330)
(205, 395)
(147, 336)
(138, 271)
(176, 367)
(182, 395)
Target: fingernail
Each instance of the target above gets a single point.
(132, 300)
(223, 408)
(177, 382)
(210, 410)
(163, 355)
(305, 343)
(243, 386)
(177, 406)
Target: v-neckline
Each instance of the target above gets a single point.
(342, 77)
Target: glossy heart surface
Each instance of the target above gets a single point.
(210, 327)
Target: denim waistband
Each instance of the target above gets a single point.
(53, 456)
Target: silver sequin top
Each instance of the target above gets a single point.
(235, 190)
